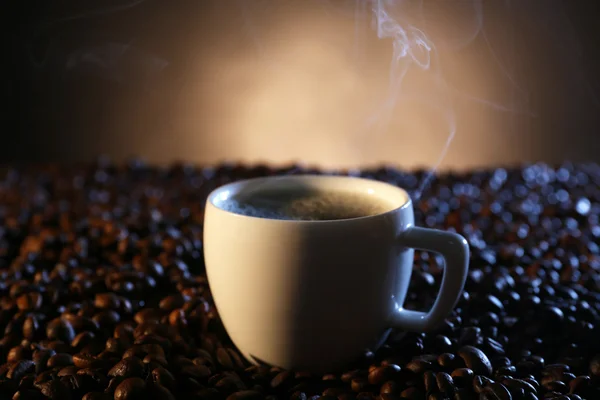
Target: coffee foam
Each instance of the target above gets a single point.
(313, 207)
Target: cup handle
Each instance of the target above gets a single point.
(455, 250)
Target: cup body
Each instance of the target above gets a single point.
(307, 295)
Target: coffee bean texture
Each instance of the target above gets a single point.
(103, 292)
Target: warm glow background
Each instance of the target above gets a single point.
(280, 81)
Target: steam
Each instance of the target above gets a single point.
(119, 62)
(116, 61)
(411, 48)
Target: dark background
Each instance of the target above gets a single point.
(52, 110)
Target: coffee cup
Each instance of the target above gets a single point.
(313, 295)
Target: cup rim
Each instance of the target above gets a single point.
(237, 185)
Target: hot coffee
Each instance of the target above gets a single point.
(290, 204)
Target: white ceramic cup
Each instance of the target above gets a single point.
(314, 295)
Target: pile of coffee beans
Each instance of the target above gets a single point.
(103, 292)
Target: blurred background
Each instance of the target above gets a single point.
(334, 83)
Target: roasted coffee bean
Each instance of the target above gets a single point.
(464, 394)
(246, 395)
(480, 383)
(56, 390)
(198, 372)
(17, 353)
(84, 360)
(445, 383)
(437, 396)
(281, 379)
(239, 364)
(366, 396)
(384, 373)
(462, 377)
(335, 391)
(130, 388)
(95, 377)
(28, 394)
(412, 393)
(29, 301)
(66, 371)
(499, 390)
(128, 367)
(476, 360)
(20, 368)
(31, 327)
(224, 359)
(60, 329)
(159, 392)
(349, 376)
(390, 387)
(518, 385)
(595, 366)
(442, 343)
(82, 340)
(96, 396)
(359, 385)
(163, 377)
(449, 361)
(108, 301)
(556, 386)
(429, 381)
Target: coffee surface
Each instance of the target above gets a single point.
(310, 206)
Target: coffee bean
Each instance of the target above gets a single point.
(84, 360)
(442, 343)
(224, 359)
(246, 395)
(429, 381)
(281, 379)
(66, 371)
(480, 383)
(159, 392)
(517, 384)
(384, 373)
(499, 390)
(128, 367)
(464, 394)
(130, 388)
(449, 361)
(595, 366)
(412, 393)
(349, 376)
(163, 377)
(236, 358)
(31, 327)
(556, 386)
(96, 396)
(445, 383)
(82, 340)
(390, 387)
(462, 376)
(437, 396)
(60, 329)
(359, 385)
(29, 301)
(55, 390)
(198, 372)
(19, 368)
(476, 360)
(27, 394)
(335, 391)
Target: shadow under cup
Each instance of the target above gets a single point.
(307, 295)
